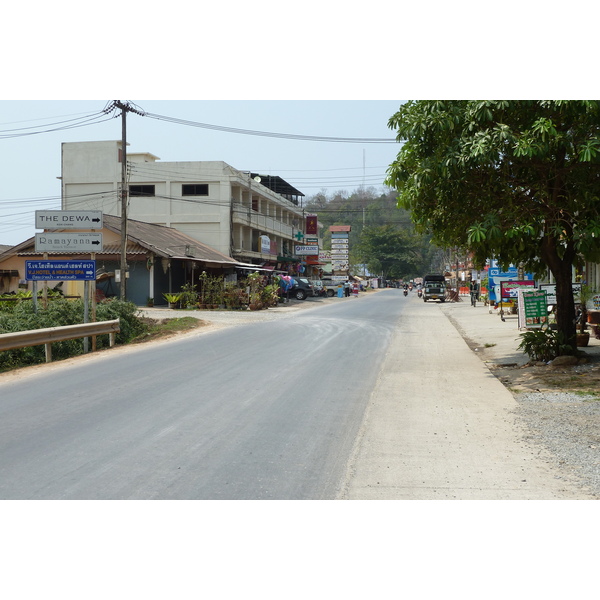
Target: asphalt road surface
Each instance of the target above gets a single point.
(268, 410)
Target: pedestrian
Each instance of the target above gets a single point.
(355, 290)
(347, 289)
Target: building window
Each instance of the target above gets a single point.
(141, 190)
(194, 189)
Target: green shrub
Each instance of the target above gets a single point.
(544, 344)
(62, 312)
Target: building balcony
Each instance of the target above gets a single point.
(245, 255)
(250, 218)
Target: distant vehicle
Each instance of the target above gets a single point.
(434, 288)
(331, 287)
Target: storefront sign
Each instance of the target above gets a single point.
(307, 250)
(312, 226)
(533, 308)
(509, 289)
(550, 289)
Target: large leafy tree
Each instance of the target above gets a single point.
(366, 210)
(516, 180)
(391, 251)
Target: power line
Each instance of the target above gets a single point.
(289, 136)
(91, 119)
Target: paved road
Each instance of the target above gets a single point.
(268, 410)
(371, 398)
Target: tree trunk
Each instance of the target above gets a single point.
(561, 268)
(565, 306)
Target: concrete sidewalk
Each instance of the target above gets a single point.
(440, 425)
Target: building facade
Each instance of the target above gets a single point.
(250, 217)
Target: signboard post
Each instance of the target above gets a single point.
(509, 292)
(68, 219)
(54, 239)
(64, 270)
(70, 243)
(533, 309)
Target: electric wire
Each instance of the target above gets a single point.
(289, 136)
(93, 119)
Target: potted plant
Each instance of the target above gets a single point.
(593, 309)
(172, 299)
(150, 302)
(189, 296)
(233, 296)
(269, 295)
(585, 295)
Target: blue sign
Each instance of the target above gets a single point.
(60, 270)
(496, 276)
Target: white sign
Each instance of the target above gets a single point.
(307, 250)
(68, 243)
(68, 219)
(265, 244)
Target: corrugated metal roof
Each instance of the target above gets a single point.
(108, 249)
(166, 241)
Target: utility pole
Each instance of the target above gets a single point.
(125, 108)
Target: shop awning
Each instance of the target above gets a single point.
(251, 267)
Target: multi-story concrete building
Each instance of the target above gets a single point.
(251, 217)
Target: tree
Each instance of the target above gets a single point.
(365, 208)
(515, 180)
(390, 251)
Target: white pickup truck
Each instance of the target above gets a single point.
(331, 286)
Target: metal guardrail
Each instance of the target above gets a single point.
(37, 337)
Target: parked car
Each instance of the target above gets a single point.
(301, 289)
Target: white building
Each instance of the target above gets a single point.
(252, 218)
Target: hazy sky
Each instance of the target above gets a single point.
(31, 133)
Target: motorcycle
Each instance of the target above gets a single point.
(419, 293)
(406, 292)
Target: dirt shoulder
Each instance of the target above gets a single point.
(496, 343)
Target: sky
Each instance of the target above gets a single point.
(31, 134)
